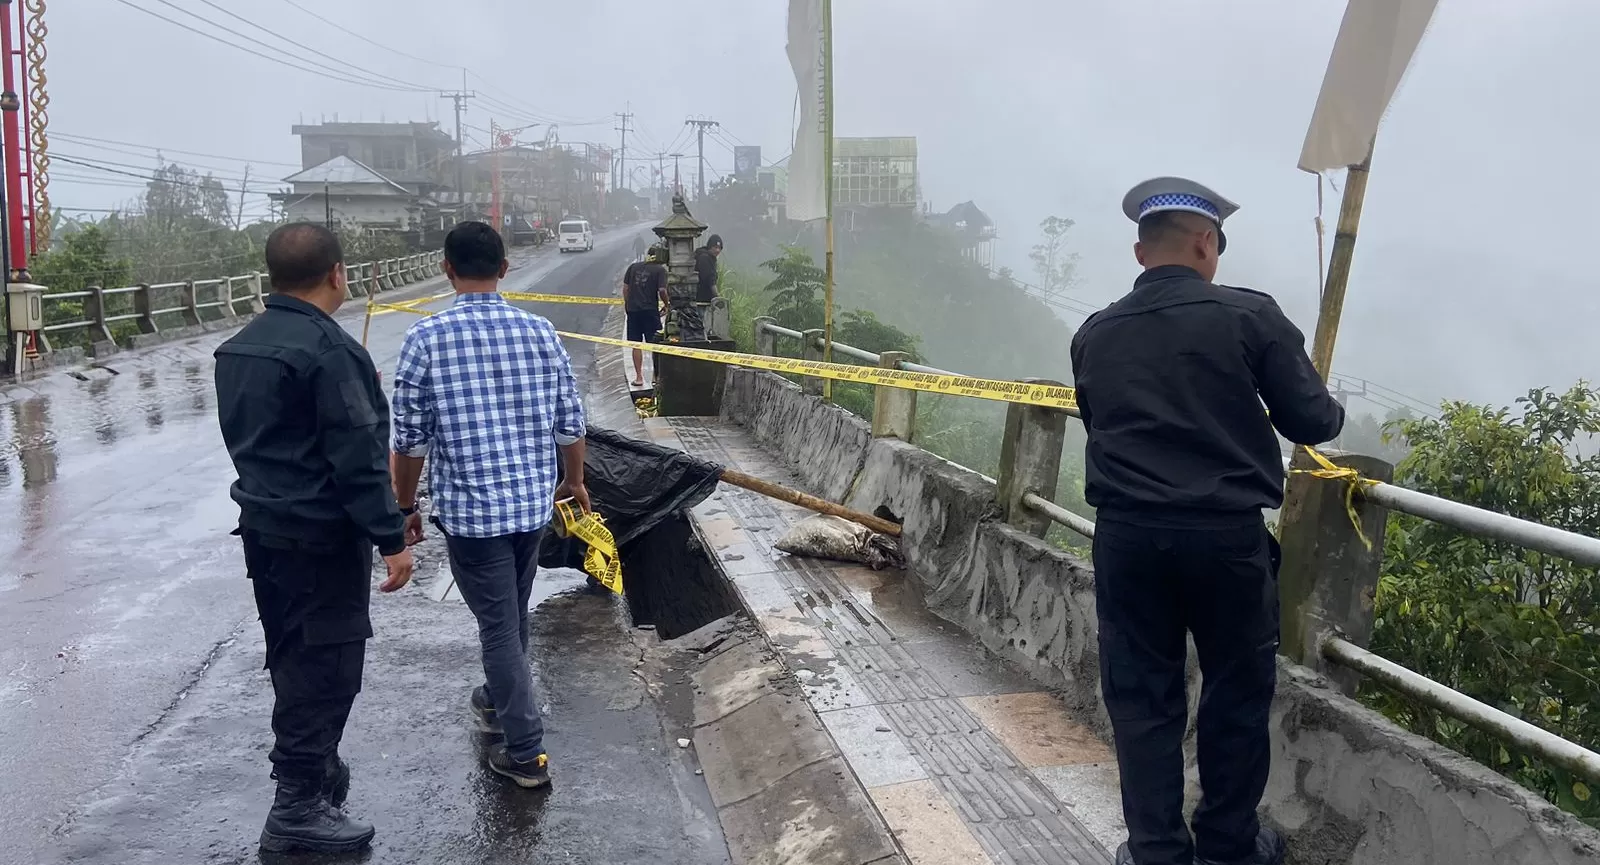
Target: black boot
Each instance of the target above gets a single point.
(1270, 850)
(336, 783)
(303, 819)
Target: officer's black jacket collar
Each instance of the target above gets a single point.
(1167, 271)
(291, 303)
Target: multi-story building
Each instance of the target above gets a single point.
(875, 173)
(418, 156)
(344, 192)
(972, 229)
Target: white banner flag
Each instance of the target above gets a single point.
(808, 192)
(1375, 45)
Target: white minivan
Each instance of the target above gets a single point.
(575, 235)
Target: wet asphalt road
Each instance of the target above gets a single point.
(133, 713)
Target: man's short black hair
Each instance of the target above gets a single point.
(301, 255)
(1158, 228)
(474, 250)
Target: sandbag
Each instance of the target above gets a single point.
(830, 537)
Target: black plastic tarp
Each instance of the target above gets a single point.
(634, 485)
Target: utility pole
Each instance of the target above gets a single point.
(494, 145)
(677, 187)
(700, 131)
(460, 98)
(327, 208)
(243, 188)
(622, 155)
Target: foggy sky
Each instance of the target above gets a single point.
(1465, 283)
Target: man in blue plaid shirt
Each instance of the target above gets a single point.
(486, 389)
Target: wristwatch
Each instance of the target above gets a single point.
(406, 512)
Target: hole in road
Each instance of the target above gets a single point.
(670, 583)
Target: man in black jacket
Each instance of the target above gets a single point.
(1181, 462)
(307, 426)
(695, 325)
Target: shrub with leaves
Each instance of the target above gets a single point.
(1515, 628)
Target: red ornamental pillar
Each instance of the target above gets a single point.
(10, 107)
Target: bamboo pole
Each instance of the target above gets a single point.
(809, 502)
(372, 289)
(1344, 249)
(827, 185)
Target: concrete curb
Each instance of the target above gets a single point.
(781, 787)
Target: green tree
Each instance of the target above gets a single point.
(1052, 262)
(797, 289)
(1517, 629)
(866, 331)
(83, 259)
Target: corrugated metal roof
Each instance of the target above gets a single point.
(342, 169)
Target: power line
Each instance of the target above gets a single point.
(268, 57)
(301, 45)
(511, 104)
(347, 31)
(98, 161)
(141, 177)
(366, 76)
(106, 144)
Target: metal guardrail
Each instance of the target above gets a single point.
(1575, 547)
(1534, 740)
(852, 351)
(364, 279)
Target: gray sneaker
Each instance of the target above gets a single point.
(531, 774)
(483, 712)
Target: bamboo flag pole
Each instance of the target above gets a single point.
(827, 186)
(1344, 249)
(1376, 43)
(809, 502)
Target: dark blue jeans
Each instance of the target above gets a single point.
(495, 577)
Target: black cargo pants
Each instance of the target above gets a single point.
(313, 600)
(1221, 585)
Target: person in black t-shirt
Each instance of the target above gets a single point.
(644, 298)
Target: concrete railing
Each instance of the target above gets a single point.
(175, 308)
(1332, 548)
(1348, 786)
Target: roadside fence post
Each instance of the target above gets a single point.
(1030, 461)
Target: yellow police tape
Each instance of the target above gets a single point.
(560, 298)
(1353, 479)
(413, 306)
(601, 560)
(1047, 395)
(1050, 396)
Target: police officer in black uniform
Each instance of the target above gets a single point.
(307, 425)
(1181, 462)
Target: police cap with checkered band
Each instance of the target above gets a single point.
(1164, 194)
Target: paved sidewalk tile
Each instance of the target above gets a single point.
(940, 732)
(926, 826)
(874, 750)
(1037, 728)
(1094, 794)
